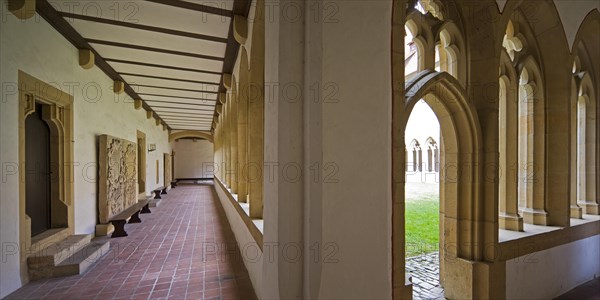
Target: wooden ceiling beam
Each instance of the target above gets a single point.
(168, 78)
(175, 89)
(145, 27)
(152, 49)
(196, 7)
(46, 11)
(139, 63)
(177, 97)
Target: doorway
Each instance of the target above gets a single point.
(422, 203)
(37, 174)
(141, 160)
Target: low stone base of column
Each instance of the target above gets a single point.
(474, 280)
(104, 229)
(576, 212)
(535, 216)
(591, 208)
(511, 222)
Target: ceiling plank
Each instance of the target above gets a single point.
(138, 63)
(168, 78)
(145, 27)
(44, 9)
(175, 89)
(181, 103)
(188, 115)
(189, 121)
(190, 124)
(175, 114)
(180, 108)
(152, 49)
(177, 97)
(171, 120)
(196, 7)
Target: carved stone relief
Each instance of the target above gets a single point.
(118, 175)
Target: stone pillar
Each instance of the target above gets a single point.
(509, 208)
(531, 156)
(232, 101)
(256, 119)
(242, 124)
(226, 148)
(575, 211)
(590, 197)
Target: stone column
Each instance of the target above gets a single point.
(509, 209)
(232, 101)
(590, 195)
(242, 124)
(531, 156)
(226, 139)
(219, 150)
(256, 119)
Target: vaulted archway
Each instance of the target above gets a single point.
(460, 215)
(190, 133)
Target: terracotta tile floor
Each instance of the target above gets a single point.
(184, 249)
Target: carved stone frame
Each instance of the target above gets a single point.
(57, 111)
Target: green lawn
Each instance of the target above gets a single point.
(422, 225)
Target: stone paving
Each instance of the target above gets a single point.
(184, 249)
(425, 272)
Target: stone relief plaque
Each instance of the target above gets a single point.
(118, 174)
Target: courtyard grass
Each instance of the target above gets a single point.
(422, 224)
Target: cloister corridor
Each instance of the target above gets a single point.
(184, 249)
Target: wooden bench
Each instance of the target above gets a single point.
(160, 191)
(132, 214)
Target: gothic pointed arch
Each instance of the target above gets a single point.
(459, 196)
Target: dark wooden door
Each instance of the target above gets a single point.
(37, 177)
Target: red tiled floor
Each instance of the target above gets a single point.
(182, 250)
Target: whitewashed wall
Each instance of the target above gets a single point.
(550, 273)
(193, 159)
(34, 47)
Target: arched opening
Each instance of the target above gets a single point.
(447, 54)
(508, 209)
(585, 153)
(531, 194)
(422, 214)
(38, 173)
(416, 156)
(413, 49)
(458, 176)
(433, 160)
(585, 147)
(581, 155)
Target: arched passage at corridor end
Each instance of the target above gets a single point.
(190, 134)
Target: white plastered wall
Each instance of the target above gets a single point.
(193, 159)
(34, 47)
(550, 273)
